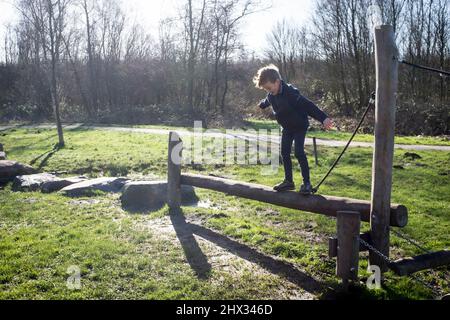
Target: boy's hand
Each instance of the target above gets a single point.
(328, 124)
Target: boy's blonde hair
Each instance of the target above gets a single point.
(269, 73)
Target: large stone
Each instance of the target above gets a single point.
(86, 188)
(11, 169)
(152, 195)
(2, 155)
(60, 183)
(32, 182)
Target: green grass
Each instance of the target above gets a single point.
(253, 124)
(136, 256)
(108, 153)
(345, 136)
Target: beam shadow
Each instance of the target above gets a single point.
(185, 232)
(274, 266)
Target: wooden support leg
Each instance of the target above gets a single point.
(174, 171)
(348, 229)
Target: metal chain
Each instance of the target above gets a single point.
(389, 261)
(416, 244)
(437, 293)
(375, 250)
(410, 240)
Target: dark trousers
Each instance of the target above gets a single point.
(286, 148)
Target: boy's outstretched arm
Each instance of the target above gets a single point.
(311, 108)
(313, 111)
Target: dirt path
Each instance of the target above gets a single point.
(185, 133)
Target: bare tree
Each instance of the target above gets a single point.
(284, 43)
(48, 18)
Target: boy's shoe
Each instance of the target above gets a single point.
(284, 186)
(306, 189)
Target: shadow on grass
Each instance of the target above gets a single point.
(194, 254)
(45, 157)
(198, 261)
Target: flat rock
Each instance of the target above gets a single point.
(32, 182)
(152, 195)
(11, 169)
(60, 183)
(100, 184)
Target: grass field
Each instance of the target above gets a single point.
(320, 134)
(225, 248)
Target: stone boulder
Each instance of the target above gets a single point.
(32, 182)
(152, 195)
(11, 169)
(60, 183)
(88, 187)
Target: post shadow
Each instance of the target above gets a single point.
(196, 258)
(274, 266)
(194, 255)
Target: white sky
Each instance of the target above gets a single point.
(150, 12)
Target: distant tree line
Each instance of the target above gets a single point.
(85, 60)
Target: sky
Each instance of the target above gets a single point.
(150, 12)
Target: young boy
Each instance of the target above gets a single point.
(291, 110)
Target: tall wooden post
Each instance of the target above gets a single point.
(348, 229)
(386, 59)
(174, 171)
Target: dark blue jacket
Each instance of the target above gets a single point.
(291, 109)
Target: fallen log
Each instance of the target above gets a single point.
(326, 205)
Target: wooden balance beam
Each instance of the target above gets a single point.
(326, 205)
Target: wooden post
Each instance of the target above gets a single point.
(174, 171)
(386, 58)
(333, 244)
(348, 228)
(315, 151)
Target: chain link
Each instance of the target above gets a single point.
(375, 250)
(417, 245)
(437, 293)
(389, 261)
(410, 240)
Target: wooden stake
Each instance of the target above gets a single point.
(174, 171)
(348, 227)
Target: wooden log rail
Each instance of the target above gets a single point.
(326, 205)
(407, 266)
